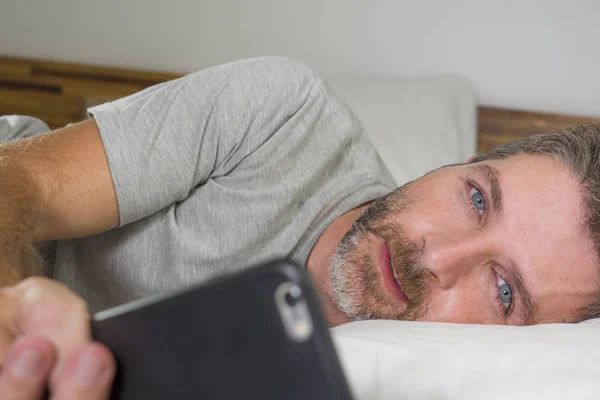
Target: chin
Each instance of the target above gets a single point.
(337, 318)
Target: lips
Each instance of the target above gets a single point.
(389, 275)
(393, 268)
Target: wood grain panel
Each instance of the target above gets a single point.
(55, 109)
(497, 125)
(59, 93)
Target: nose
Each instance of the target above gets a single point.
(452, 257)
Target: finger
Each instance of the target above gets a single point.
(88, 374)
(26, 371)
(50, 309)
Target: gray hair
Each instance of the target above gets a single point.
(578, 148)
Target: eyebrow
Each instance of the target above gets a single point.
(527, 305)
(491, 176)
(492, 180)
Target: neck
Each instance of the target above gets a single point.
(319, 260)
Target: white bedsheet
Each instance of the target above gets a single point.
(417, 360)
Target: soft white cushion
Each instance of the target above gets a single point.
(416, 124)
(417, 360)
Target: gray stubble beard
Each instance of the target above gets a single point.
(354, 277)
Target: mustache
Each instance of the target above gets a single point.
(355, 281)
(406, 260)
(405, 253)
(413, 278)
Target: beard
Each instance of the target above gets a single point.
(355, 280)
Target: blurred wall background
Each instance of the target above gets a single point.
(532, 54)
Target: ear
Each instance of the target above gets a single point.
(470, 159)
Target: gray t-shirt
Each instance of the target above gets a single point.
(219, 170)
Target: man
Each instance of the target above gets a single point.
(258, 159)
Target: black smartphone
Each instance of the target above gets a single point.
(256, 334)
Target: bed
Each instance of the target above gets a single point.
(440, 118)
(59, 93)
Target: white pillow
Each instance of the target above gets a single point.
(419, 360)
(416, 124)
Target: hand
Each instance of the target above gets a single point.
(45, 340)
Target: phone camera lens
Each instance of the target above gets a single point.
(293, 296)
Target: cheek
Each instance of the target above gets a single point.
(439, 197)
(461, 306)
(432, 213)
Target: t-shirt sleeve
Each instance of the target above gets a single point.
(168, 140)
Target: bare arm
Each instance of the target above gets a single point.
(52, 186)
(164, 142)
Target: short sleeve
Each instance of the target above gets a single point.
(169, 139)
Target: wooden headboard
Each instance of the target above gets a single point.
(497, 126)
(59, 93)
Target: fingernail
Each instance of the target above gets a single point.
(27, 364)
(89, 369)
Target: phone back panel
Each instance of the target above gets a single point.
(222, 340)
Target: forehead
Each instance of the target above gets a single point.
(542, 227)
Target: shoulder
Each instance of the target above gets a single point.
(256, 82)
(274, 70)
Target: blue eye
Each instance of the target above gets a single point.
(478, 200)
(505, 292)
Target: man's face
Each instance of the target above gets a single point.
(501, 242)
